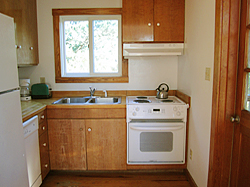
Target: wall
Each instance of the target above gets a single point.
(144, 73)
(199, 54)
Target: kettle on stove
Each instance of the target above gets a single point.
(162, 91)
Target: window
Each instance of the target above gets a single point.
(88, 46)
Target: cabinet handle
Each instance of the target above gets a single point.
(149, 24)
(81, 129)
(31, 48)
(42, 117)
(44, 128)
(44, 145)
(46, 165)
(18, 46)
(158, 24)
(89, 129)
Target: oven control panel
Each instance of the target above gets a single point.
(156, 112)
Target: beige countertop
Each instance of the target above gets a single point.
(35, 106)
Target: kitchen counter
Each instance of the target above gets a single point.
(35, 106)
(31, 108)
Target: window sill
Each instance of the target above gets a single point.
(123, 79)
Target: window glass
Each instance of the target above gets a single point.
(76, 46)
(248, 50)
(247, 93)
(105, 49)
(90, 46)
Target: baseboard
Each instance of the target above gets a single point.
(190, 179)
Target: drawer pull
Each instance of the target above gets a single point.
(44, 127)
(81, 129)
(46, 165)
(42, 117)
(44, 144)
(89, 129)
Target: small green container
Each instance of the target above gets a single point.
(40, 91)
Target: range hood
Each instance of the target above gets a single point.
(152, 49)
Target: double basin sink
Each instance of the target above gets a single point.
(89, 100)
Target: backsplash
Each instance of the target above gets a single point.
(145, 73)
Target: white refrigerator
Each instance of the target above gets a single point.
(13, 166)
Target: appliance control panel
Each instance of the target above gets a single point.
(30, 126)
(156, 112)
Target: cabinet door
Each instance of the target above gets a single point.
(25, 18)
(30, 32)
(67, 144)
(169, 16)
(137, 20)
(106, 144)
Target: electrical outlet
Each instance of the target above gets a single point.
(207, 74)
(42, 79)
(191, 154)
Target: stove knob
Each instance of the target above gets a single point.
(137, 108)
(175, 108)
(178, 113)
(134, 113)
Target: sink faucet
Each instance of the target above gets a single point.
(105, 91)
(92, 91)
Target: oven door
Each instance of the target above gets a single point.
(156, 142)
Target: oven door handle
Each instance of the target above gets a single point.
(156, 128)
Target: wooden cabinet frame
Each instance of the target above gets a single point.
(90, 11)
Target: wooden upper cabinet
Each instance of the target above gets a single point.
(169, 18)
(137, 20)
(153, 21)
(25, 18)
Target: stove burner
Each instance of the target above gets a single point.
(141, 97)
(167, 101)
(141, 101)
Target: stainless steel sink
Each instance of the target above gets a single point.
(105, 100)
(72, 100)
(88, 100)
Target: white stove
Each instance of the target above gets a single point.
(156, 130)
(149, 107)
(153, 100)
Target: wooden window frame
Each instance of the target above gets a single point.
(88, 11)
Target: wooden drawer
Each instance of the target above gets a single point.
(42, 116)
(44, 154)
(86, 113)
(45, 165)
(43, 127)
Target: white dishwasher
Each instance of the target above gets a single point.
(30, 129)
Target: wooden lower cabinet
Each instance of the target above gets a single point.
(67, 144)
(104, 147)
(106, 144)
